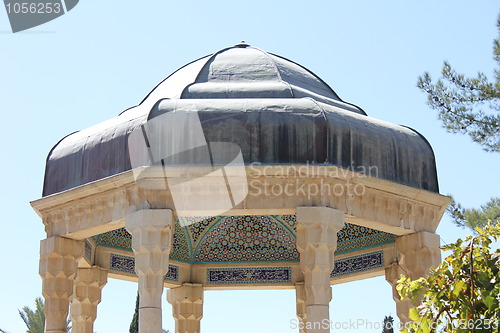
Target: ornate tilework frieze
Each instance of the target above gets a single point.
(354, 237)
(358, 263)
(118, 239)
(198, 227)
(181, 249)
(249, 275)
(245, 239)
(287, 220)
(127, 265)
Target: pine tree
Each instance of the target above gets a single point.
(460, 101)
(388, 325)
(472, 217)
(134, 325)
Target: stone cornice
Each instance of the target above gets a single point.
(100, 206)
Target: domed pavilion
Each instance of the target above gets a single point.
(241, 170)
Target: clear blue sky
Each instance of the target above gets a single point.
(105, 56)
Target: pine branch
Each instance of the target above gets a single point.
(459, 100)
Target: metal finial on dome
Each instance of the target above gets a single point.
(242, 44)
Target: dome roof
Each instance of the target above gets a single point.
(243, 71)
(275, 110)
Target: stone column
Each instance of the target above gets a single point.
(58, 266)
(187, 307)
(392, 275)
(417, 254)
(152, 238)
(317, 229)
(300, 299)
(86, 295)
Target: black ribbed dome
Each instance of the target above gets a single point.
(247, 72)
(275, 110)
(243, 71)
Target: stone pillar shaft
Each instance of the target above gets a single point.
(187, 307)
(392, 275)
(152, 238)
(300, 299)
(58, 266)
(317, 229)
(417, 254)
(86, 296)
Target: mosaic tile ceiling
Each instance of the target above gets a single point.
(269, 238)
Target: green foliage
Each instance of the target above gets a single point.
(460, 101)
(463, 293)
(134, 325)
(475, 218)
(34, 320)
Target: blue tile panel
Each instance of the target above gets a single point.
(360, 263)
(126, 264)
(249, 275)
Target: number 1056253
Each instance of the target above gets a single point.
(33, 8)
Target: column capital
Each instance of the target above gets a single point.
(57, 245)
(418, 253)
(187, 307)
(317, 227)
(152, 238)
